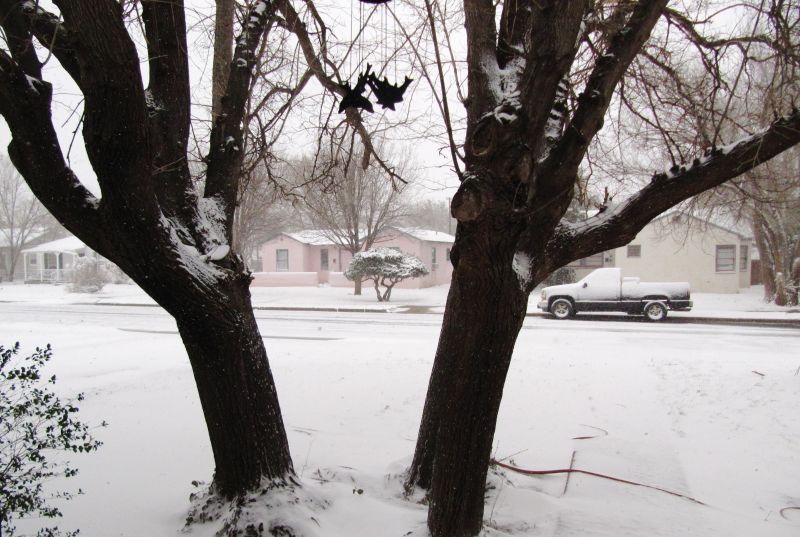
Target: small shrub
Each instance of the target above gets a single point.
(34, 422)
(89, 275)
(385, 267)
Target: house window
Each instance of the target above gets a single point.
(634, 250)
(743, 258)
(32, 260)
(323, 259)
(282, 260)
(433, 258)
(447, 253)
(593, 261)
(726, 258)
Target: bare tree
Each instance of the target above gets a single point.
(22, 218)
(151, 222)
(263, 211)
(430, 214)
(769, 197)
(541, 86)
(357, 206)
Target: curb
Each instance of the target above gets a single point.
(732, 321)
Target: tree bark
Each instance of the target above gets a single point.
(223, 54)
(237, 393)
(485, 308)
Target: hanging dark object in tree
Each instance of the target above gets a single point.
(388, 94)
(354, 98)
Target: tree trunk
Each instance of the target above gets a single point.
(237, 391)
(484, 313)
(357, 287)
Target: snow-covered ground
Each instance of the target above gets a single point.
(705, 411)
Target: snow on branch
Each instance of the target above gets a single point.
(619, 225)
(224, 156)
(563, 161)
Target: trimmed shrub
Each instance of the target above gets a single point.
(385, 267)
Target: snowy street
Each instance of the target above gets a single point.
(703, 410)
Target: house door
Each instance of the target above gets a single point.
(50, 261)
(323, 259)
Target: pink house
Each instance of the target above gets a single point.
(309, 258)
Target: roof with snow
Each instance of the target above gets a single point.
(313, 237)
(319, 237)
(68, 244)
(428, 235)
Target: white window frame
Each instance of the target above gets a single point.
(727, 264)
(279, 267)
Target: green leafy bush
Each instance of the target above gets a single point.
(35, 423)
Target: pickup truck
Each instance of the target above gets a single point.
(606, 290)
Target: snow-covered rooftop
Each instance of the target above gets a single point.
(319, 237)
(68, 244)
(428, 235)
(313, 237)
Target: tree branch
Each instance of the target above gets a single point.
(619, 226)
(315, 61)
(16, 25)
(481, 57)
(115, 125)
(51, 34)
(445, 105)
(225, 152)
(36, 153)
(558, 170)
(168, 102)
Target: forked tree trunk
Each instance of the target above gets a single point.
(484, 313)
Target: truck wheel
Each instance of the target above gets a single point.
(562, 308)
(655, 311)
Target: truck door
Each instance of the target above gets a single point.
(599, 291)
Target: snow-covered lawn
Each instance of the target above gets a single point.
(708, 412)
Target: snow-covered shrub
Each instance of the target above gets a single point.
(89, 275)
(33, 424)
(385, 267)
